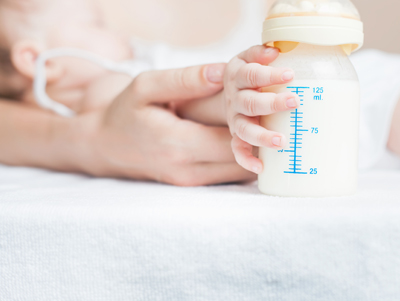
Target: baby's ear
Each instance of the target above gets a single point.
(23, 56)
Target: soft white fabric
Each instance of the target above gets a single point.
(379, 75)
(69, 237)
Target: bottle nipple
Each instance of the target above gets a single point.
(332, 8)
(317, 22)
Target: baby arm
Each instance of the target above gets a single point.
(208, 111)
(36, 138)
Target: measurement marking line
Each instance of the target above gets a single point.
(296, 121)
(295, 136)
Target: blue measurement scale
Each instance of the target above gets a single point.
(298, 131)
(317, 149)
(296, 120)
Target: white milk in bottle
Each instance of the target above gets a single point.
(321, 155)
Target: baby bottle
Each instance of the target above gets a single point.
(320, 158)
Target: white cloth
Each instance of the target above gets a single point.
(69, 237)
(379, 75)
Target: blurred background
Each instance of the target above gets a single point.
(192, 23)
(382, 23)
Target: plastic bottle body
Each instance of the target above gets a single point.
(321, 155)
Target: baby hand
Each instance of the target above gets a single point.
(245, 75)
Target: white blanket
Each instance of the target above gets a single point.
(71, 237)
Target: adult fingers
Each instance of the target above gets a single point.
(177, 84)
(205, 143)
(249, 130)
(253, 103)
(260, 54)
(209, 110)
(209, 173)
(255, 76)
(244, 155)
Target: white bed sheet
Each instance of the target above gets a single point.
(71, 237)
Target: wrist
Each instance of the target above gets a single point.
(83, 136)
(98, 150)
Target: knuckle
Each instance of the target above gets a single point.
(269, 75)
(250, 103)
(274, 105)
(251, 75)
(242, 129)
(177, 156)
(261, 138)
(231, 73)
(180, 79)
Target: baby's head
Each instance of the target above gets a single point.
(29, 27)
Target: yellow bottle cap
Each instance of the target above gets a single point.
(317, 22)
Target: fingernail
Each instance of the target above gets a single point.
(256, 169)
(215, 73)
(268, 50)
(288, 75)
(291, 103)
(277, 141)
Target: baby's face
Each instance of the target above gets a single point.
(74, 24)
(79, 24)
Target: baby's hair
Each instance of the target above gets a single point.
(6, 66)
(7, 70)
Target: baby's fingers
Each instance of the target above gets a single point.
(255, 76)
(253, 103)
(244, 155)
(249, 130)
(259, 54)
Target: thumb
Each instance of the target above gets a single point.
(178, 84)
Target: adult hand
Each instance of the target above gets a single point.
(138, 137)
